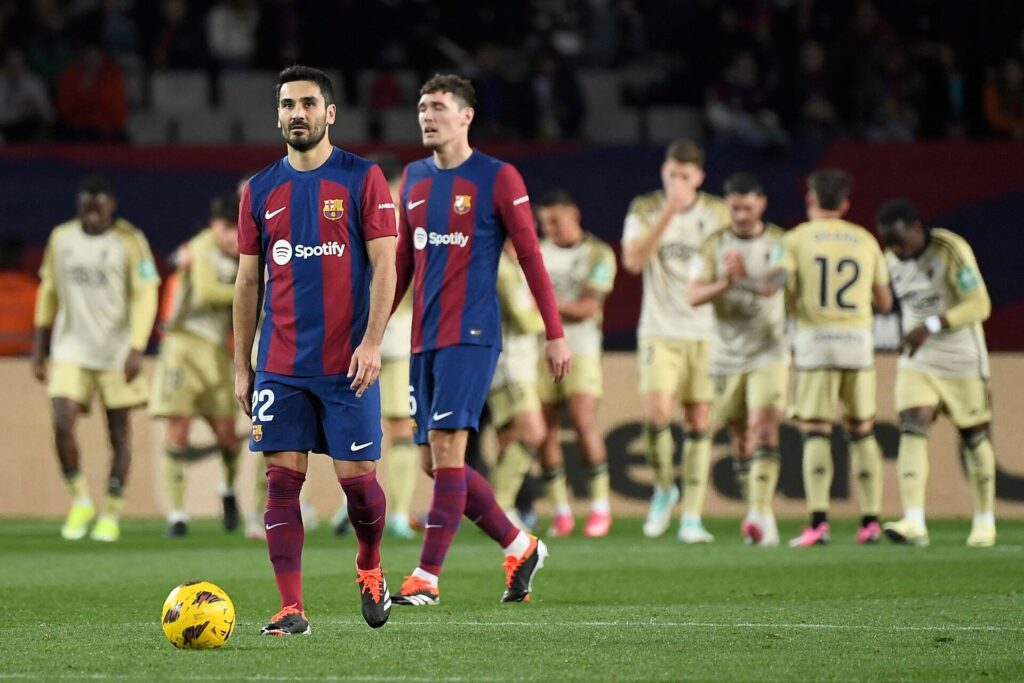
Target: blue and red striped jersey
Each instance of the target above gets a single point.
(310, 228)
(453, 224)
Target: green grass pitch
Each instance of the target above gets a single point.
(616, 609)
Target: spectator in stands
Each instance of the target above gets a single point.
(25, 110)
(118, 31)
(177, 41)
(557, 97)
(738, 107)
(808, 98)
(1004, 100)
(231, 33)
(893, 96)
(493, 95)
(17, 300)
(91, 99)
(50, 48)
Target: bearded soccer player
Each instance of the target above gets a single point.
(749, 353)
(662, 237)
(94, 314)
(836, 272)
(944, 364)
(458, 207)
(321, 222)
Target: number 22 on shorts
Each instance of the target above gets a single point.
(262, 400)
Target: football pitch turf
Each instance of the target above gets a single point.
(621, 608)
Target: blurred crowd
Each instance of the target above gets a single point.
(762, 72)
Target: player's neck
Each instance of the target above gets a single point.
(311, 159)
(453, 154)
(824, 214)
(757, 232)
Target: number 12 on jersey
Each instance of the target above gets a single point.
(837, 277)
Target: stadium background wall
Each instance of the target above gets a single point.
(31, 484)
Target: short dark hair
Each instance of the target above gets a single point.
(743, 183)
(298, 72)
(96, 184)
(558, 196)
(831, 186)
(461, 88)
(225, 207)
(894, 216)
(685, 152)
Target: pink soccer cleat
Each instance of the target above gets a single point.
(598, 524)
(561, 525)
(751, 531)
(870, 533)
(811, 535)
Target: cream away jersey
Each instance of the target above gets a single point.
(587, 265)
(397, 343)
(665, 311)
(944, 280)
(99, 292)
(750, 329)
(202, 304)
(833, 265)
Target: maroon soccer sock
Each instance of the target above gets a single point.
(446, 508)
(483, 510)
(283, 522)
(366, 509)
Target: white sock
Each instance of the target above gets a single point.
(985, 518)
(691, 520)
(225, 489)
(426, 576)
(176, 516)
(915, 515)
(519, 546)
(400, 519)
(601, 506)
(563, 510)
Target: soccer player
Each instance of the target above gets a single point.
(514, 400)
(944, 364)
(663, 233)
(836, 272)
(582, 270)
(316, 231)
(749, 354)
(193, 376)
(95, 311)
(458, 207)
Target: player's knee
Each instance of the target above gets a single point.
(913, 423)
(972, 437)
(859, 429)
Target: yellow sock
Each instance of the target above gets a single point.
(741, 472)
(660, 449)
(866, 469)
(696, 463)
(764, 478)
(229, 468)
(113, 505)
(507, 477)
(912, 468)
(981, 468)
(556, 490)
(403, 469)
(174, 480)
(78, 486)
(599, 484)
(817, 470)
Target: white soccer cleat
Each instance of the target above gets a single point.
(983, 534)
(660, 514)
(695, 532)
(906, 532)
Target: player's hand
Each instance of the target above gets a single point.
(182, 257)
(559, 358)
(675, 201)
(735, 268)
(39, 366)
(243, 389)
(132, 364)
(913, 340)
(364, 367)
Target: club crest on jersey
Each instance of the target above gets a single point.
(257, 433)
(334, 209)
(463, 204)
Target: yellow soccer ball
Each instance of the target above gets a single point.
(198, 615)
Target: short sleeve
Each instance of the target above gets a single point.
(881, 269)
(784, 255)
(248, 228)
(705, 266)
(636, 222)
(602, 269)
(377, 208)
(143, 267)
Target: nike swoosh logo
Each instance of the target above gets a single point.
(441, 416)
(360, 447)
(272, 526)
(412, 205)
(432, 526)
(270, 214)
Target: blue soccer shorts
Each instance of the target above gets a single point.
(319, 414)
(448, 387)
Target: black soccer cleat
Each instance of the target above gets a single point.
(373, 590)
(519, 571)
(290, 621)
(177, 529)
(231, 517)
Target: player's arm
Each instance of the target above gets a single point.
(600, 280)
(46, 312)
(640, 240)
(881, 290)
(207, 287)
(380, 232)
(706, 283)
(783, 265)
(512, 204)
(589, 303)
(244, 307)
(404, 255)
(144, 303)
